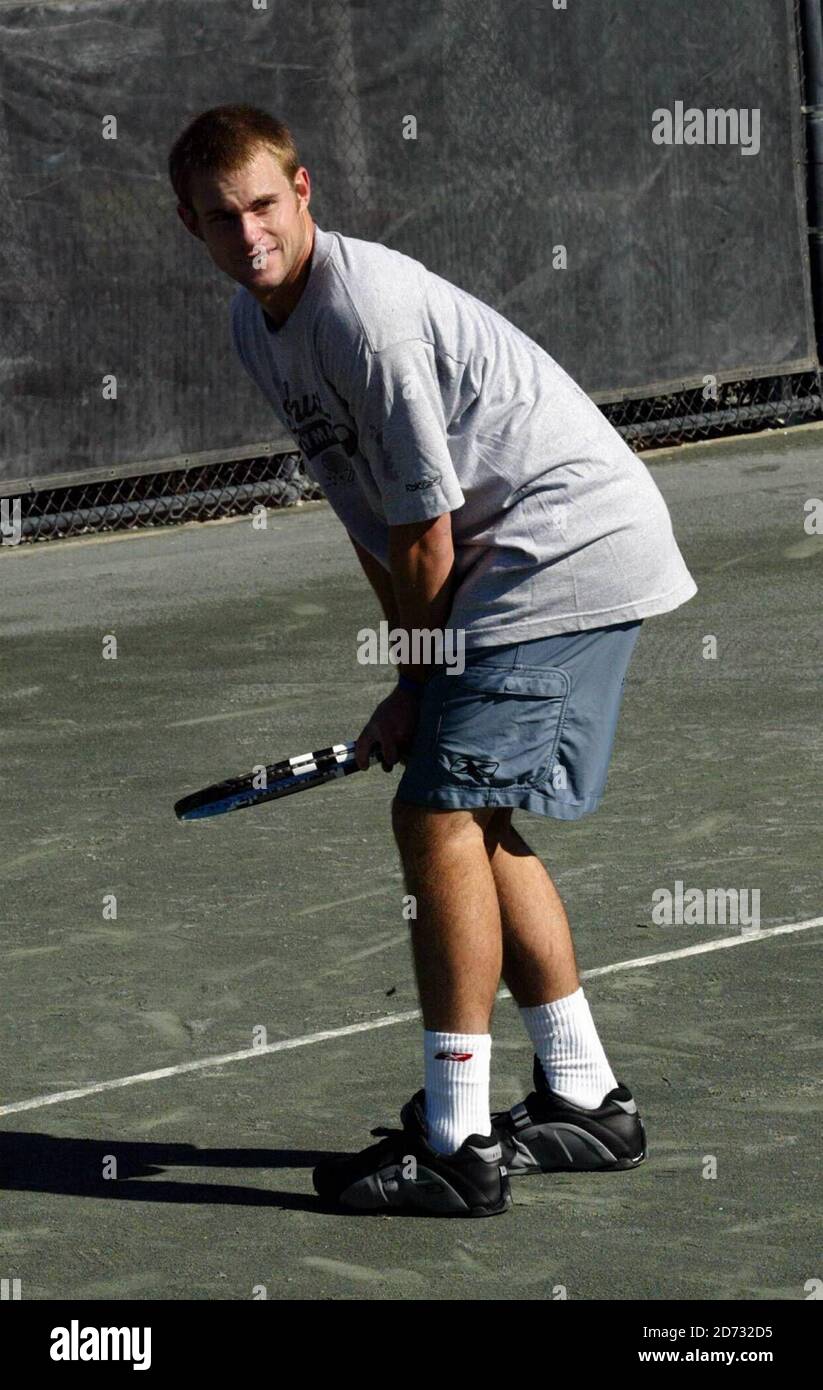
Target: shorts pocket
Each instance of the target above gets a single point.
(501, 727)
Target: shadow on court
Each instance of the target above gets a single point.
(132, 943)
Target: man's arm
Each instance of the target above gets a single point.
(380, 580)
(421, 555)
(417, 592)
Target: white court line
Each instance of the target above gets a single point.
(288, 1044)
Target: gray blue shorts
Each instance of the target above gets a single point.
(529, 724)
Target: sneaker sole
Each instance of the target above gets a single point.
(622, 1165)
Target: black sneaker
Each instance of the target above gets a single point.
(546, 1134)
(403, 1173)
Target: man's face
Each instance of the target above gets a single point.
(255, 225)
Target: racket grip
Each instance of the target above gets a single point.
(374, 756)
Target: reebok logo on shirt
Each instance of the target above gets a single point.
(422, 483)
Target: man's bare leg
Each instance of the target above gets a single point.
(539, 963)
(456, 937)
(486, 906)
(458, 956)
(540, 969)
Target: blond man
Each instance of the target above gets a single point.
(485, 496)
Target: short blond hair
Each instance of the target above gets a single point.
(223, 140)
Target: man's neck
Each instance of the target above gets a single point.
(278, 304)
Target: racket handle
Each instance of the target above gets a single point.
(374, 756)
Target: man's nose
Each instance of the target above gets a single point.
(252, 233)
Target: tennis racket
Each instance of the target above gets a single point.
(270, 783)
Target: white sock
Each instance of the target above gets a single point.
(570, 1051)
(457, 1087)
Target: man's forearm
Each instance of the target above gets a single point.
(421, 556)
(381, 582)
(416, 594)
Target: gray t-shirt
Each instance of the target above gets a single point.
(408, 397)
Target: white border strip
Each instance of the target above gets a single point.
(288, 1044)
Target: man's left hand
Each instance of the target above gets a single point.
(392, 726)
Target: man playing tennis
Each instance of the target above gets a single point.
(483, 492)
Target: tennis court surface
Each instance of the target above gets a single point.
(133, 944)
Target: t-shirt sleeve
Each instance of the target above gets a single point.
(394, 398)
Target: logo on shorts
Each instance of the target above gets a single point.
(478, 769)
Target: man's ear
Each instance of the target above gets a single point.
(189, 219)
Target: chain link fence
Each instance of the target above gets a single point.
(361, 179)
(216, 490)
(710, 411)
(201, 493)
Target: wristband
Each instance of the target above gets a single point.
(406, 683)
